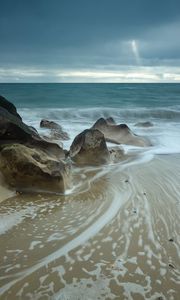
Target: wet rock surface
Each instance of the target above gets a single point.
(89, 147)
(12, 129)
(10, 107)
(119, 134)
(27, 161)
(56, 131)
(32, 169)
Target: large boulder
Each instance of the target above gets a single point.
(12, 129)
(9, 107)
(89, 147)
(30, 169)
(119, 134)
(56, 131)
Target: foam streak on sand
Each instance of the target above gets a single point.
(118, 200)
(124, 247)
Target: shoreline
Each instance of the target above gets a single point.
(129, 248)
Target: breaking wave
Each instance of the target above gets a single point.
(97, 112)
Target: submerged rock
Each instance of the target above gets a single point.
(119, 134)
(49, 124)
(144, 124)
(110, 120)
(56, 130)
(116, 154)
(30, 169)
(89, 147)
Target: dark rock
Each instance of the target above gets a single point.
(30, 169)
(100, 124)
(4, 103)
(144, 124)
(89, 147)
(110, 120)
(171, 266)
(119, 134)
(49, 124)
(27, 161)
(33, 129)
(56, 130)
(12, 129)
(171, 240)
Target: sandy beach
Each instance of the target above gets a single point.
(115, 236)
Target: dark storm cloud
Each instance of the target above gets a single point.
(88, 33)
(46, 24)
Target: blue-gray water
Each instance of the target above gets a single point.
(92, 95)
(77, 106)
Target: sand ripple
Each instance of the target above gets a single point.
(116, 236)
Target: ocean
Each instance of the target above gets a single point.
(77, 106)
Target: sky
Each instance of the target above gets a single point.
(89, 41)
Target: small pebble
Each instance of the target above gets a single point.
(171, 266)
(171, 240)
(134, 211)
(126, 180)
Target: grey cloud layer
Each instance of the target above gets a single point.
(68, 34)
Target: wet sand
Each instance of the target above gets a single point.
(5, 192)
(115, 236)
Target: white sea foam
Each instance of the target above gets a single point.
(11, 219)
(8, 221)
(82, 238)
(164, 135)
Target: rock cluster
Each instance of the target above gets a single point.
(26, 160)
(29, 162)
(119, 134)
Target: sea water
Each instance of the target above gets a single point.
(77, 106)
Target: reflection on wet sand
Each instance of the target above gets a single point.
(114, 236)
